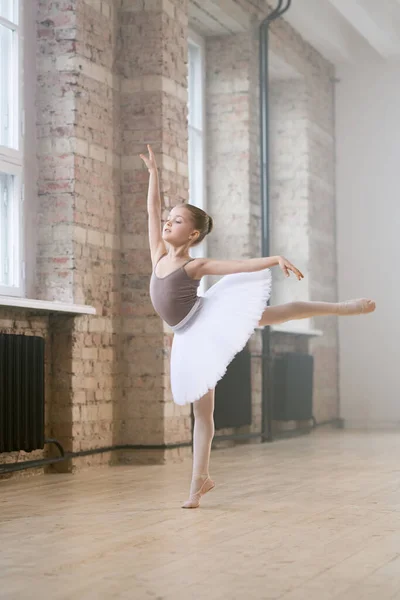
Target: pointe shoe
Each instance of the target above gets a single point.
(194, 499)
(362, 306)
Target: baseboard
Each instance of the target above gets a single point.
(368, 425)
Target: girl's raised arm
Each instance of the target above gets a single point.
(157, 246)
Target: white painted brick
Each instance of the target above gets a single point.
(169, 8)
(106, 9)
(130, 86)
(96, 238)
(168, 163)
(153, 4)
(96, 4)
(45, 146)
(183, 169)
(80, 147)
(62, 145)
(108, 240)
(152, 83)
(97, 325)
(80, 235)
(97, 152)
(90, 353)
(132, 163)
(132, 6)
(62, 232)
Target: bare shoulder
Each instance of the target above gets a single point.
(194, 268)
(158, 253)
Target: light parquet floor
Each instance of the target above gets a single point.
(311, 518)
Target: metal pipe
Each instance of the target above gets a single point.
(267, 384)
(56, 443)
(42, 462)
(274, 14)
(64, 456)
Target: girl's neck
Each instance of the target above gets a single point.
(178, 253)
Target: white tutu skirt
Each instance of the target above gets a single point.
(216, 329)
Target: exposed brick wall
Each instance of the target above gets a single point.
(79, 211)
(318, 77)
(233, 176)
(289, 185)
(302, 173)
(112, 76)
(153, 70)
(323, 256)
(97, 79)
(55, 130)
(228, 144)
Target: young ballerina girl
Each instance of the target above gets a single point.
(210, 330)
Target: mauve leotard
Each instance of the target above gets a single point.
(174, 295)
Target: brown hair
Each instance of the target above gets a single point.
(201, 220)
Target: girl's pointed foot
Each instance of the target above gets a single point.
(362, 306)
(194, 498)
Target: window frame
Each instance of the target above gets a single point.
(12, 159)
(198, 42)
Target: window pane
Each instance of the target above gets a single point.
(195, 168)
(8, 10)
(196, 141)
(6, 192)
(195, 87)
(8, 230)
(196, 185)
(8, 80)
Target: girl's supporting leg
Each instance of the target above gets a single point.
(203, 434)
(274, 315)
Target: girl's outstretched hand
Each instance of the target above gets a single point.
(287, 266)
(150, 161)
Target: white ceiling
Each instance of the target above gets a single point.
(342, 30)
(349, 30)
(217, 17)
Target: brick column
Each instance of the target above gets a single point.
(233, 192)
(79, 210)
(228, 60)
(289, 185)
(323, 255)
(302, 210)
(153, 70)
(301, 188)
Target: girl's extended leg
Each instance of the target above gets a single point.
(274, 315)
(203, 435)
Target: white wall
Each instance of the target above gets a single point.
(368, 226)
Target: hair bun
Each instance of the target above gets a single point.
(201, 221)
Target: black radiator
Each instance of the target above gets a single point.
(293, 387)
(21, 393)
(233, 394)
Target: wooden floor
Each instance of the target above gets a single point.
(312, 518)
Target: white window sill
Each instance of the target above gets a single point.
(294, 331)
(47, 306)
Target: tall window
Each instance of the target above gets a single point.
(10, 149)
(197, 182)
